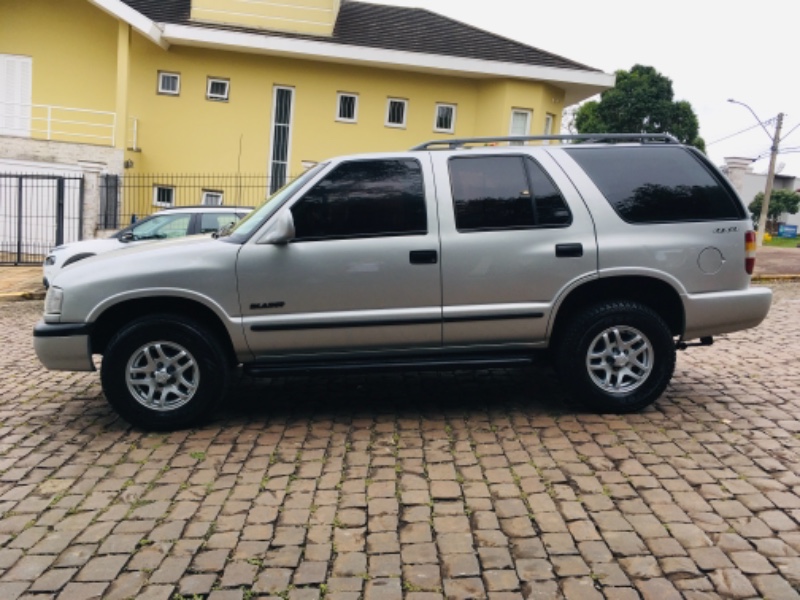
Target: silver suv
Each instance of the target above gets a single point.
(610, 254)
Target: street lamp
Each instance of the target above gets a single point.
(776, 140)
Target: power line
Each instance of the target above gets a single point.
(789, 132)
(727, 137)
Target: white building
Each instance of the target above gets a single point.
(748, 183)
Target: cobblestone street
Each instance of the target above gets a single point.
(417, 486)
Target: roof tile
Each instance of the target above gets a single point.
(390, 28)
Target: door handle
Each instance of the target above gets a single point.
(569, 250)
(423, 257)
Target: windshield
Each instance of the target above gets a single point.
(245, 228)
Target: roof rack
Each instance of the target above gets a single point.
(595, 138)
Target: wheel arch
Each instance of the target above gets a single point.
(654, 293)
(117, 316)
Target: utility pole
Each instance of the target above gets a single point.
(762, 221)
(776, 141)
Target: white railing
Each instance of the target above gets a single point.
(59, 123)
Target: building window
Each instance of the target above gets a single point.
(520, 123)
(445, 118)
(549, 121)
(212, 198)
(396, 112)
(283, 107)
(347, 108)
(163, 195)
(15, 95)
(218, 89)
(169, 83)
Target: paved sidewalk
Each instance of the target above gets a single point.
(420, 486)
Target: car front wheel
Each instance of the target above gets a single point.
(616, 357)
(164, 372)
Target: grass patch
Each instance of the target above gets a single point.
(777, 242)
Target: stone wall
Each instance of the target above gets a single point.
(61, 153)
(23, 155)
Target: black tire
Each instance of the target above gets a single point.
(616, 357)
(164, 372)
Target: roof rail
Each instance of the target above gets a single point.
(596, 138)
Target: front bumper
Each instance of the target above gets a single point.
(63, 347)
(725, 312)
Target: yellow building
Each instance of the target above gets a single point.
(260, 86)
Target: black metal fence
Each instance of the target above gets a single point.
(127, 198)
(38, 212)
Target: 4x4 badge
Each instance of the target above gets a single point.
(726, 230)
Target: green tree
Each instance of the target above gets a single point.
(641, 102)
(780, 201)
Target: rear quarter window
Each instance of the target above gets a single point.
(659, 184)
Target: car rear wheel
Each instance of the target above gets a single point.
(616, 356)
(164, 372)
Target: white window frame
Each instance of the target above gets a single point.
(218, 97)
(549, 123)
(156, 189)
(389, 102)
(167, 92)
(209, 194)
(339, 97)
(439, 106)
(528, 118)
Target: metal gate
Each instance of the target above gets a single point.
(38, 212)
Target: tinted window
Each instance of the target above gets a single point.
(548, 203)
(658, 184)
(363, 199)
(504, 192)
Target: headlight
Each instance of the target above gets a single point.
(53, 301)
(50, 260)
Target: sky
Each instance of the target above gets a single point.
(712, 50)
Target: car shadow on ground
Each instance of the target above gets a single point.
(406, 395)
(535, 391)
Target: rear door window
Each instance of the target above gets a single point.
(659, 184)
(504, 192)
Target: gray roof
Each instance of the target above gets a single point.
(389, 28)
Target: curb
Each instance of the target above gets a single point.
(765, 277)
(21, 296)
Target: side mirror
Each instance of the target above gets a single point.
(281, 230)
(126, 237)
